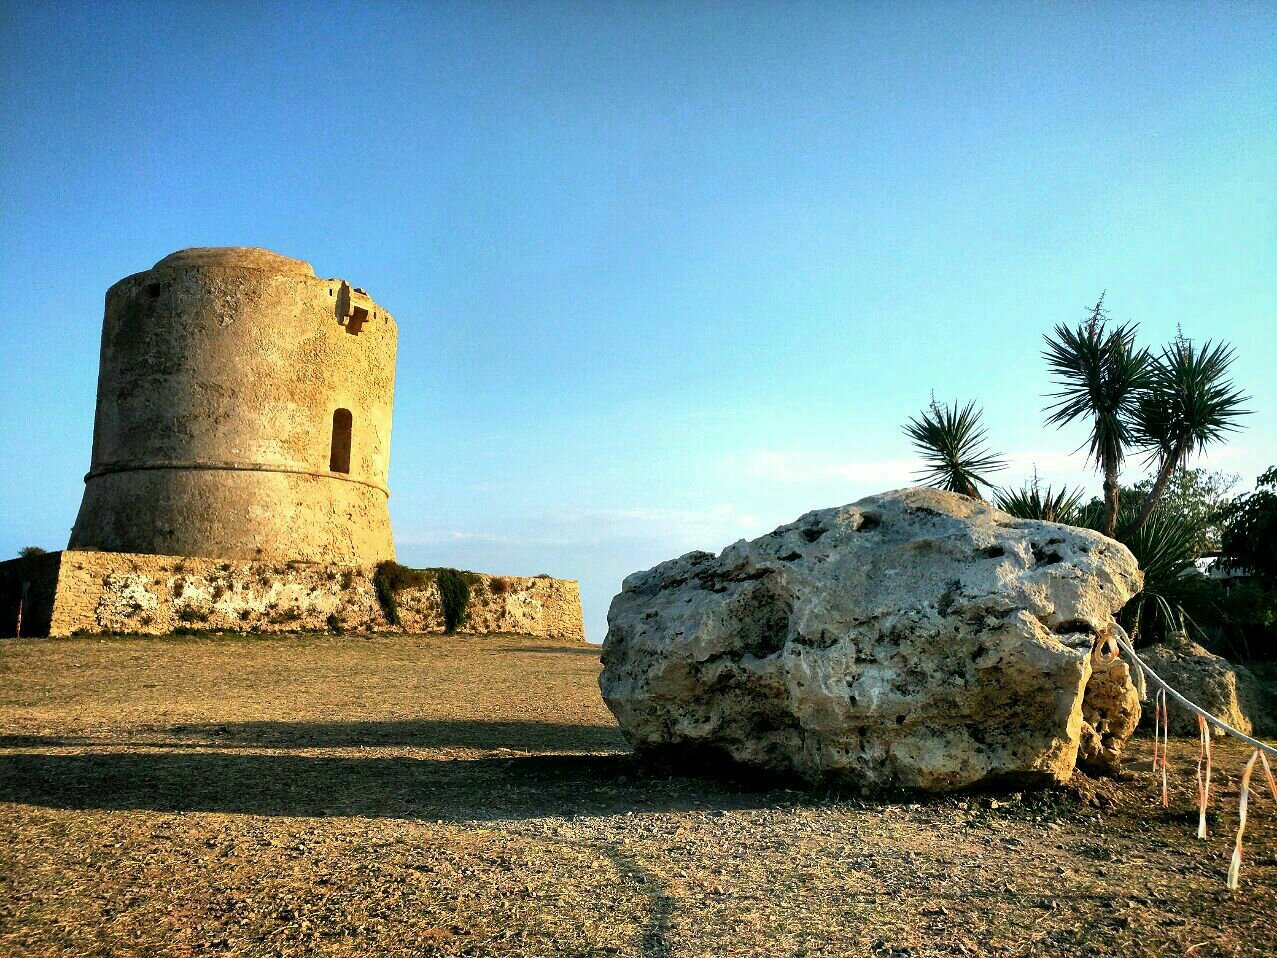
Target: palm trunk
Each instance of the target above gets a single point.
(1159, 487)
(1110, 498)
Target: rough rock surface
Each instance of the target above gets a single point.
(1210, 681)
(914, 639)
(1110, 714)
(64, 593)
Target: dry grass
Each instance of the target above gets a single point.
(410, 796)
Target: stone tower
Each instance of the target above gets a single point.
(243, 412)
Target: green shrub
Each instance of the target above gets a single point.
(1165, 547)
(1249, 612)
(1031, 502)
(389, 579)
(27, 552)
(454, 591)
(1248, 605)
(1250, 529)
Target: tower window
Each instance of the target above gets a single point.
(339, 458)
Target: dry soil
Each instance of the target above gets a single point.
(471, 796)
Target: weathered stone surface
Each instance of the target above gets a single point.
(67, 592)
(1206, 679)
(243, 412)
(1110, 714)
(916, 638)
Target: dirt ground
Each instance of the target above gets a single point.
(471, 796)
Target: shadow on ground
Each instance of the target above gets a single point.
(592, 651)
(413, 733)
(485, 789)
(218, 768)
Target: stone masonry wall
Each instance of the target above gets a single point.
(155, 595)
(220, 378)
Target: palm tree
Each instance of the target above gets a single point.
(1187, 405)
(951, 443)
(1101, 375)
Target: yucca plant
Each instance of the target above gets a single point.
(951, 442)
(1166, 549)
(1189, 404)
(1100, 373)
(1030, 502)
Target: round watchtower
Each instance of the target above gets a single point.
(243, 411)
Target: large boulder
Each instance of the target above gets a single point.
(915, 639)
(1229, 692)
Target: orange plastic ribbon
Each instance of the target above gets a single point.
(1268, 772)
(1203, 782)
(1234, 867)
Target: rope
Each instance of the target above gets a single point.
(1161, 683)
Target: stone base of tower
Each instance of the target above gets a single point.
(79, 592)
(232, 511)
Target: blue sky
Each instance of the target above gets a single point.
(666, 274)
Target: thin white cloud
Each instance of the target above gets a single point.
(593, 527)
(796, 466)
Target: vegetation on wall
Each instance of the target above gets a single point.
(454, 591)
(1248, 545)
(391, 578)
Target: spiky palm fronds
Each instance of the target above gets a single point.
(1166, 550)
(951, 442)
(1100, 374)
(1188, 404)
(1030, 502)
